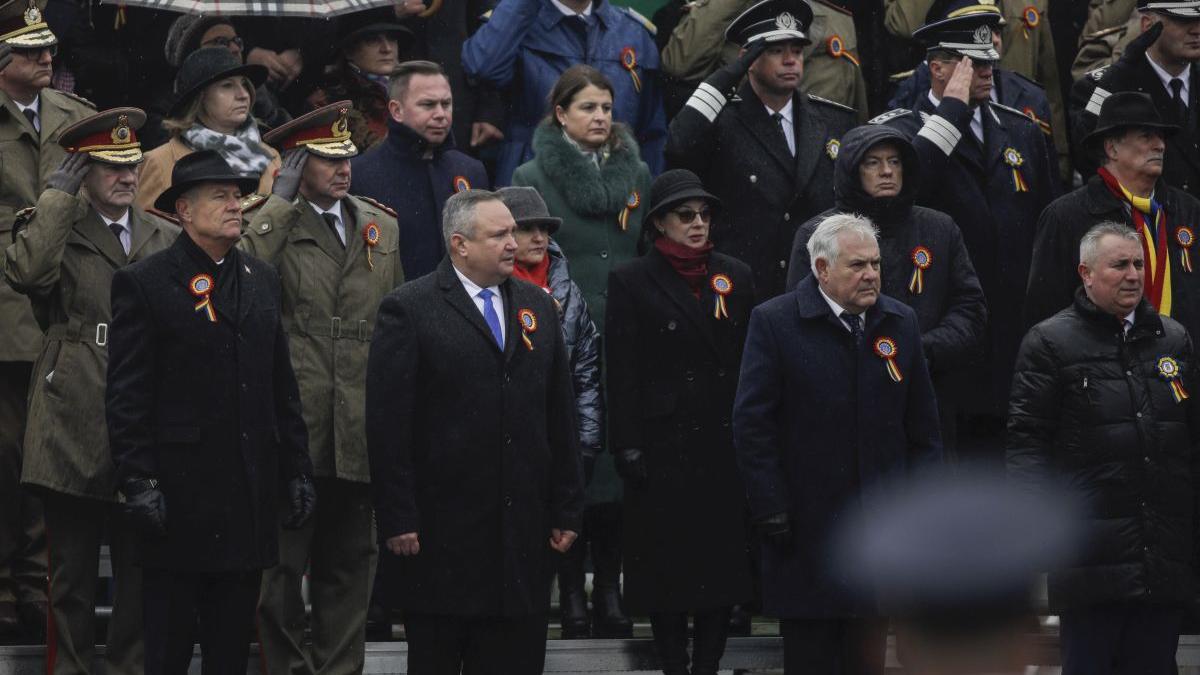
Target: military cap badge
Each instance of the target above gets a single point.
(785, 21)
(1168, 368)
(885, 348)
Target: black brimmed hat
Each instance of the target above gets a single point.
(675, 186)
(353, 27)
(1183, 9)
(198, 168)
(772, 21)
(205, 66)
(324, 132)
(109, 136)
(1128, 109)
(528, 208)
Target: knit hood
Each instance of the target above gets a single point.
(589, 190)
(184, 35)
(847, 185)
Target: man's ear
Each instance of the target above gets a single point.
(822, 266)
(1085, 274)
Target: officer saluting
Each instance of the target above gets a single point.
(63, 258)
(986, 166)
(337, 257)
(767, 150)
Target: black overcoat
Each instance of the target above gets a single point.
(672, 375)
(742, 157)
(818, 425)
(210, 409)
(473, 448)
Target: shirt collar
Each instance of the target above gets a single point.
(123, 221)
(336, 210)
(35, 106)
(785, 112)
(833, 306)
(1166, 77)
(567, 11)
(471, 287)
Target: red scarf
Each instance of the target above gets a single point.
(538, 274)
(1150, 221)
(690, 263)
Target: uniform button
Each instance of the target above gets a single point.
(696, 427)
(603, 254)
(244, 387)
(782, 264)
(671, 325)
(1129, 373)
(720, 372)
(1139, 416)
(753, 178)
(507, 377)
(689, 376)
(507, 439)
(507, 500)
(787, 216)
(245, 436)
(1146, 459)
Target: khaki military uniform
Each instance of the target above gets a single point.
(26, 159)
(697, 48)
(1103, 41)
(63, 259)
(1027, 50)
(330, 297)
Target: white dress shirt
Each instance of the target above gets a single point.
(587, 11)
(1185, 77)
(123, 221)
(336, 210)
(37, 110)
(838, 309)
(789, 127)
(497, 300)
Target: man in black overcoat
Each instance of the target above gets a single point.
(204, 423)
(834, 405)
(473, 448)
(765, 148)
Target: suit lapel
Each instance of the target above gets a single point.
(52, 118)
(675, 288)
(995, 139)
(92, 228)
(140, 232)
(753, 115)
(810, 133)
(512, 327)
(456, 296)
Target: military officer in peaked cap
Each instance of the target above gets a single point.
(31, 118)
(1164, 62)
(986, 166)
(764, 147)
(337, 257)
(63, 257)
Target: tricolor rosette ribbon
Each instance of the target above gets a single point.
(722, 286)
(461, 184)
(201, 286)
(922, 259)
(1015, 160)
(1186, 238)
(634, 201)
(837, 49)
(528, 326)
(371, 239)
(885, 348)
(629, 61)
(1169, 369)
(1030, 18)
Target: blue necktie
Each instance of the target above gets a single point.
(856, 327)
(489, 315)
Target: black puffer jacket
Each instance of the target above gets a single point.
(950, 308)
(1090, 407)
(583, 351)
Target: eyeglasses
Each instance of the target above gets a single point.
(35, 53)
(687, 215)
(224, 42)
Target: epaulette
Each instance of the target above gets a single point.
(818, 99)
(889, 116)
(486, 16)
(1106, 31)
(77, 98)
(835, 8)
(900, 77)
(382, 207)
(253, 201)
(1097, 73)
(1011, 111)
(646, 23)
(21, 219)
(169, 217)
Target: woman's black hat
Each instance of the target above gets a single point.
(205, 66)
(198, 168)
(675, 186)
(353, 27)
(1126, 109)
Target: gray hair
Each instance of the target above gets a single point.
(458, 216)
(1089, 246)
(824, 241)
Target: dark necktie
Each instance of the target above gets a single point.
(490, 316)
(1177, 99)
(117, 230)
(32, 117)
(856, 327)
(778, 117)
(332, 221)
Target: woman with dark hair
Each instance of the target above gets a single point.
(591, 175)
(677, 321)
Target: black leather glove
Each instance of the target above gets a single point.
(144, 506)
(631, 466)
(302, 499)
(1119, 73)
(287, 180)
(69, 175)
(777, 530)
(727, 79)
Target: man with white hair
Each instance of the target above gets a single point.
(1103, 398)
(833, 404)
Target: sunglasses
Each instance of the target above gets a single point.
(687, 215)
(34, 53)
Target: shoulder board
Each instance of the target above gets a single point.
(1097, 73)
(1011, 111)
(835, 8)
(382, 207)
(646, 23)
(900, 77)
(1028, 80)
(77, 98)
(486, 16)
(889, 116)
(818, 99)
(253, 201)
(1107, 31)
(169, 217)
